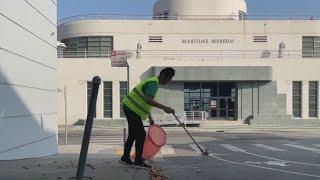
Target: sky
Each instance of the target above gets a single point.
(67, 8)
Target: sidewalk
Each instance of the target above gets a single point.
(64, 167)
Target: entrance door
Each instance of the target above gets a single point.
(222, 108)
(216, 98)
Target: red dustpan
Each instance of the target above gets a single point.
(155, 139)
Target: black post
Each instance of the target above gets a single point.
(88, 128)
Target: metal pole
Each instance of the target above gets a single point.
(88, 128)
(65, 115)
(128, 79)
(128, 90)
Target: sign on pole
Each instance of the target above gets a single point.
(119, 59)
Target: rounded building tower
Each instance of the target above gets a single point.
(200, 9)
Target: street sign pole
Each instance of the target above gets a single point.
(120, 59)
(128, 79)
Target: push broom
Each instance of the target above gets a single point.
(204, 152)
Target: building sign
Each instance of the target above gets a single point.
(207, 41)
(119, 59)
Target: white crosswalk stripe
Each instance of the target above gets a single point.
(232, 148)
(262, 146)
(107, 140)
(167, 150)
(270, 148)
(318, 145)
(303, 147)
(196, 149)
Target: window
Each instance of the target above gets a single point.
(311, 46)
(192, 97)
(89, 90)
(123, 94)
(313, 99)
(107, 99)
(162, 15)
(297, 99)
(97, 46)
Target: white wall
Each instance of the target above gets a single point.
(285, 70)
(75, 74)
(28, 79)
(186, 9)
(173, 32)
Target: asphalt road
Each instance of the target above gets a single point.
(242, 155)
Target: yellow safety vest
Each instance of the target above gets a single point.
(136, 100)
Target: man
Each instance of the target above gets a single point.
(137, 107)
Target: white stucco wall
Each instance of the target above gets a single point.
(285, 70)
(28, 79)
(186, 9)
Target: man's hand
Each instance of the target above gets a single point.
(168, 110)
(151, 121)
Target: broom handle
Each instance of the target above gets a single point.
(188, 132)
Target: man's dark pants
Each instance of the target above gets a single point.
(136, 133)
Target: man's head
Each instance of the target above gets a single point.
(166, 75)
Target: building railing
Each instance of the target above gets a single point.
(188, 17)
(83, 54)
(194, 54)
(187, 118)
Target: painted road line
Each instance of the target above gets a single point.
(303, 148)
(157, 158)
(93, 149)
(119, 153)
(232, 148)
(262, 146)
(270, 163)
(266, 168)
(236, 149)
(196, 149)
(167, 150)
(107, 140)
(318, 145)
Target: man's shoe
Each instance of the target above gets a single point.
(141, 165)
(126, 161)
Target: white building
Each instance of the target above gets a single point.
(28, 79)
(261, 71)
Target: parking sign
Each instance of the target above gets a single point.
(119, 59)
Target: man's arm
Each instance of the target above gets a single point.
(154, 103)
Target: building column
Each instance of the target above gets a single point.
(305, 99)
(115, 100)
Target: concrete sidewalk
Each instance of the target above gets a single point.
(64, 166)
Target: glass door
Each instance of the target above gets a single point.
(218, 99)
